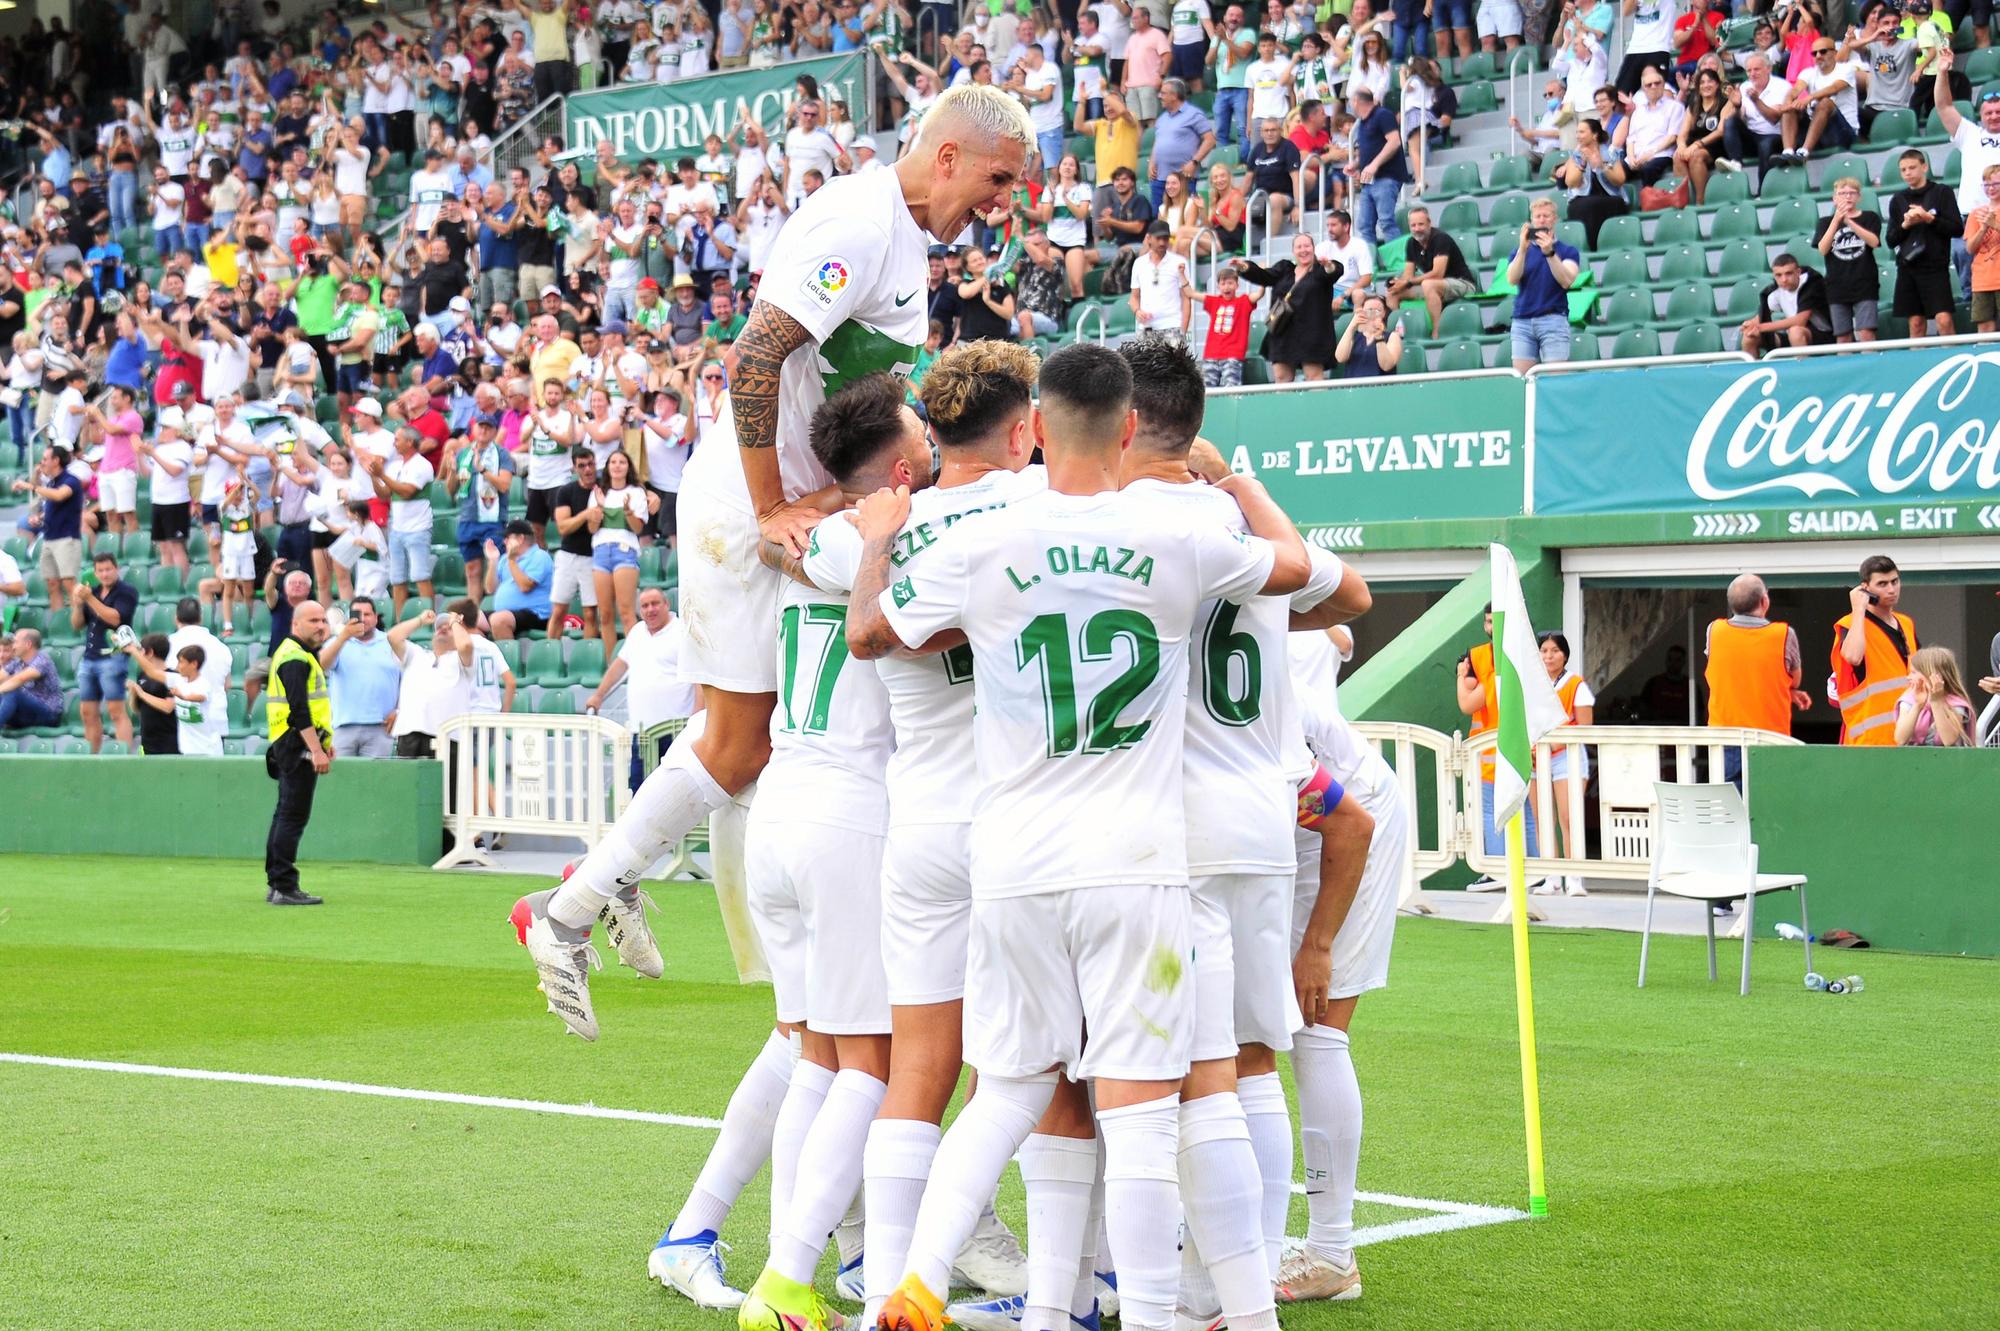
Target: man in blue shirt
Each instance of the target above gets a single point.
(60, 522)
(499, 257)
(100, 610)
(1542, 270)
(519, 581)
(363, 678)
(1379, 169)
(1183, 137)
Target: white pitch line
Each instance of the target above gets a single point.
(1446, 1215)
(365, 1088)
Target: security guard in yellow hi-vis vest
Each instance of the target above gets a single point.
(300, 715)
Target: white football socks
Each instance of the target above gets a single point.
(827, 1174)
(808, 1091)
(1059, 1173)
(679, 794)
(1270, 1121)
(1329, 1137)
(1224, 1195)
(744, 1143)
(1142, 1211)
(1084, 1301)
(896, 1163)
(983, 1138)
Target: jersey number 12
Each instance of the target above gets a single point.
(1045, 645)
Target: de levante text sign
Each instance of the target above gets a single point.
(1394, 450)
(1905, 441)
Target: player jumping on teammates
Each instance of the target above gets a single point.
(838, 300)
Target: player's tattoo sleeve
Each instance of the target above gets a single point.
(776, 556)
(767, 339)
(869, 633)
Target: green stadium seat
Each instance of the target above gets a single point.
(652, 564)
(583, 661)
(104, 543)
(163, 582)
(1572, 234)
(1894, 128)
(1477, 99)
(1731, 188)
(1510, 213)
(1734, 221)
(1458, 178)
(232, 747)
(8, 744)
(1460, 217)
(1478, 65)
(1793, 216)
(1934, 125)
(70, 746)
(1509, 173)
(1683, 263)
(543, 663)
(239, 711)
(1741, 300)
(1743, 258)
(1954, 166)
(1619, 234)
(1846, 164)
(448, 577)
(1784, 182)
(1698, 339)
(1416, 359)
(136, 548)
(1460, 319)
(112, 748)
(1256, 370)
(1630, 308)
(198, 571)
(510, 652)
(36, 746)
(1415, 320)
(1462, 354)
(254, 746)
(156, 617)
(1689, 303)
(444, 525)
(1625, 269)
(555, 702)
(17, 546)
(1676, 226)
(1634, 343)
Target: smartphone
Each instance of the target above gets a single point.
(1873, 599)
(1536, 233)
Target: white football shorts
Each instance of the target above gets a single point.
(1242, 963)
(1119, 960)
(1361, 948)
(816, 895)
(926, 911)
(728, 598)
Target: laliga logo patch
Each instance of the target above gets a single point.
(903, 592)
(827, 282)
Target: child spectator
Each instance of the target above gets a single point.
(1934, 711)
(159, 731)
(1228, 339)
(1982, 239)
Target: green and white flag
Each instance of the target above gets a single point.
(1529, 708)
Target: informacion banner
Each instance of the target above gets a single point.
(672, 119)
(1827, 446)
(1340, 457)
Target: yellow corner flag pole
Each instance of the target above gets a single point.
(1524, 1005)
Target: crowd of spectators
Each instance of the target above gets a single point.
(270, 275)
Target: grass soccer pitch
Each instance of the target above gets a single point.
(1789, 1159)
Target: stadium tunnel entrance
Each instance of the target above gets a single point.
(1637, 616)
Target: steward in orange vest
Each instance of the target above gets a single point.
(1753, 663)
(1871, 668)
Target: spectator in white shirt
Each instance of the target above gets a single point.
(1160, 293)
(434, 685)
(405, 482)
(1824, 106)
(648, 664)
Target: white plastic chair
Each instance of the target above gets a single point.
(1702, 851)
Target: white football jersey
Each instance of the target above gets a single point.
(1079, 610)
(850, 265)
(1339, 747)
(932, 775)
(830, 732)
(1240, 778)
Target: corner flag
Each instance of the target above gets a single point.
(1529, 709)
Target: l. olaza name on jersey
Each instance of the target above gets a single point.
(1065, 560)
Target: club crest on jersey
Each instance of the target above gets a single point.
(827, 282)
(903, 592)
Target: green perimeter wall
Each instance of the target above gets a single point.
(1890, 840)
(377, 812)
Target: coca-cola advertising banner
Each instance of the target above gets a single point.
(1825, 445)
